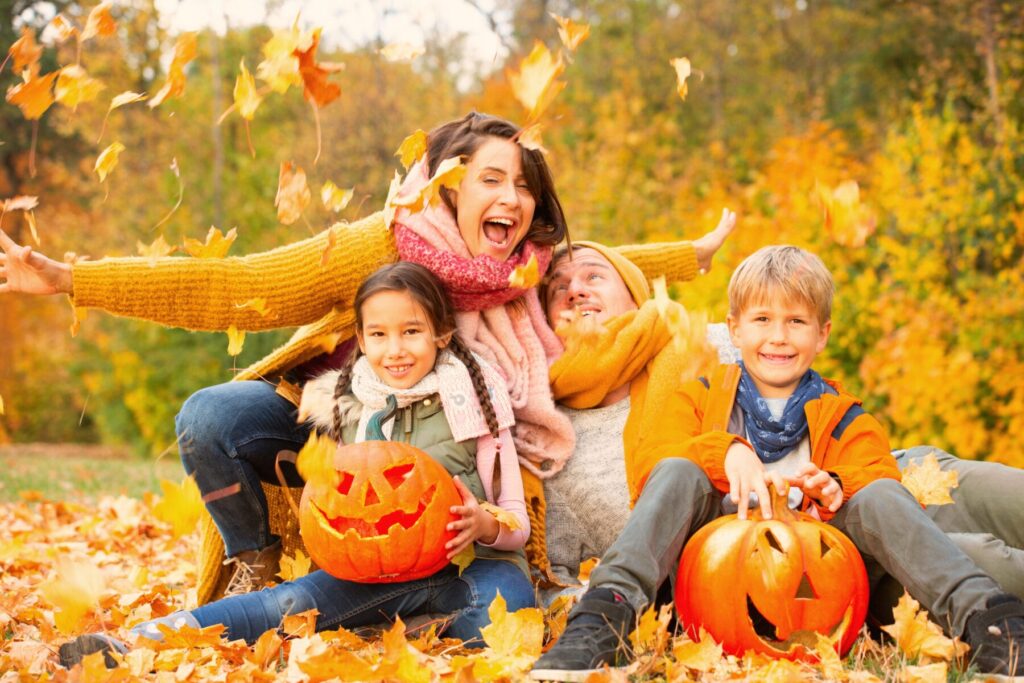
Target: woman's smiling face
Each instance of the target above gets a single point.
(494, 206)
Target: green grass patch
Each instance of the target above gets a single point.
(72, 472)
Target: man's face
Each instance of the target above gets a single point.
(585, 285)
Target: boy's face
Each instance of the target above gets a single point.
(586, 285)
(778, 341)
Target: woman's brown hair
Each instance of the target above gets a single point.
(463, 137)
(427, 291)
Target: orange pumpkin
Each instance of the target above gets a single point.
(385, 519)
(771, 585)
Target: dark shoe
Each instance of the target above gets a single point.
(74, 651)
(996, 634)
(595, 635)
(253, 569)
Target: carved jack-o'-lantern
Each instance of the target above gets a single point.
(382, 516)
(771, 585)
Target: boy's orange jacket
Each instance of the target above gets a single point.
(845, 440)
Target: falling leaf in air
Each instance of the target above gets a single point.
(75, 590)
(530, 137)
(571, 33)
(75, 86)
(929, 484)
(215, 246)
(449, 173)
(389, 203)
(315, 462)
(294, 567)
(21, 202)
(316, 87)
(157, 249)
(704, 654)
(293, 194)
(181, 505)
(247, 100)
(99, 23)
(60, 28)
(107, 160)
(525, 276)
(117, 102)
(503, 516)
(464, 558)
(236, 340)
(847, 220)
(34, 96)
(683, 72)
(413, 148)
(258, 305)
(280, 65)
(25, 52)
(917, 637)
(536, 83)
(184, 52)
(401, 52)
(335, 198)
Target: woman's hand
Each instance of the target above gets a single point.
(476, 524)
(28, 272)
(707, 245)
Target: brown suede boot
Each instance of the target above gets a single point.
(252, 570)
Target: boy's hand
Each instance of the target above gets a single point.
(747, 475)
(476, 524)
(818, 484)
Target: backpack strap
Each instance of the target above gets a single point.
(721, 396)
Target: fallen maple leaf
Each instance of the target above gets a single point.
(265, 649)
(464, 558)
(183, 636)
(247, 100)
(34, 96)
(525, 276)
(334, 198)
(513, 642)
(158, 248)
(586, 567)
(236, 340)
(184, 52)
(107, 160)
(293, 194)
(826, 650)
(75, 590)
(683, 72)
(400, 52)
(413, 147)
(929, 673)
(651, 632)
(571, 33)
(75, 86)
(536, 82)
(704, 654)
(400, 661)
(258, 305)
(215, 246)
(99, 23)
(300, 625)
(181, 505)
(25, 52)
(295, 567)
(917, 637)
(929, 484)
(503, 516)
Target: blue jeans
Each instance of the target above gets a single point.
(348, 605)
(229, 436)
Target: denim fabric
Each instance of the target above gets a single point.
(348, 605)
(231, 434)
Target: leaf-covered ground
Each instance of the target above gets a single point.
(74, 567)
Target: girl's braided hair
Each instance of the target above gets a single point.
(426, 290)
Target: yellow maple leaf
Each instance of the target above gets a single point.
(503, 516)
(464, 558)
(651, 632)
(400, 52)
(75, 86)
(413, 147)
(530, 138)
(34, 96)
(247, 100)
(400, 661)
(181, 505)
(315, 462)
(107, 160)
(449, 173)
(703, 655)
(258, 305)
(683, 72)
(215, 246)
(25, 52)
(290, 392)
(293, 194)
(280, 65)
(99, 23)
(75, 590)
(928, 673)
(917, 637)
(525, 276)
(586, 567)
(571, 33)
(184, 637)
(334, 663)
(335, 198)
(127, 97)
(848, 221)
(929, 484)
(184, 52)
(60, 29)
(236, 340)
(825, 649)
(536, 82)
(513, 640)
(295, 567)
(158, 248)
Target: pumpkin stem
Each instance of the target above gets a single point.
(375, 425)
(780, 502)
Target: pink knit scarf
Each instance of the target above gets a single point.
(504, 325)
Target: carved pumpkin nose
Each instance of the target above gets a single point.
(371, 495)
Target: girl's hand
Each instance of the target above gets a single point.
(818, 484)
(747, 475)
(476, 524)
(22, 270)
(707, 245)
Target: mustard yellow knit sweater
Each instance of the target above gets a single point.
(207, 294)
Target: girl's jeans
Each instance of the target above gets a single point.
(229, 436)
(343, 604)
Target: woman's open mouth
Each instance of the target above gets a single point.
(499, 231)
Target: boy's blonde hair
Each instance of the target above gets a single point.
(782, 270)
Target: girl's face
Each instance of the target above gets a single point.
(397, 339)
(493, 204)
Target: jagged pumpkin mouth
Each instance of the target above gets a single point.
(766, 631)
(366, 528)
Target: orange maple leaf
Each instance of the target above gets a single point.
(704, 654)
(536, 82)
(99, 23)
(525, 276)
(294, 567)
(651, 632)
(184, 52)
(316, 87)
(571, 33)
(188, 638)
(60, 29)
(25, 52)
(293, 194)
(449, 173)
(280, 65)
(513, 643)
(530, 137)
(34, 96)
(929, 484)
(75, 86)
(917, 637)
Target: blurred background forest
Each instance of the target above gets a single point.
(792, 102)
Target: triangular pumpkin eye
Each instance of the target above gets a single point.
(397, 475)
(825, 547)
(346, 483)
(772, 541)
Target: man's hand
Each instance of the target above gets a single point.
(819, 485)
(476, 524)
(746, 474)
